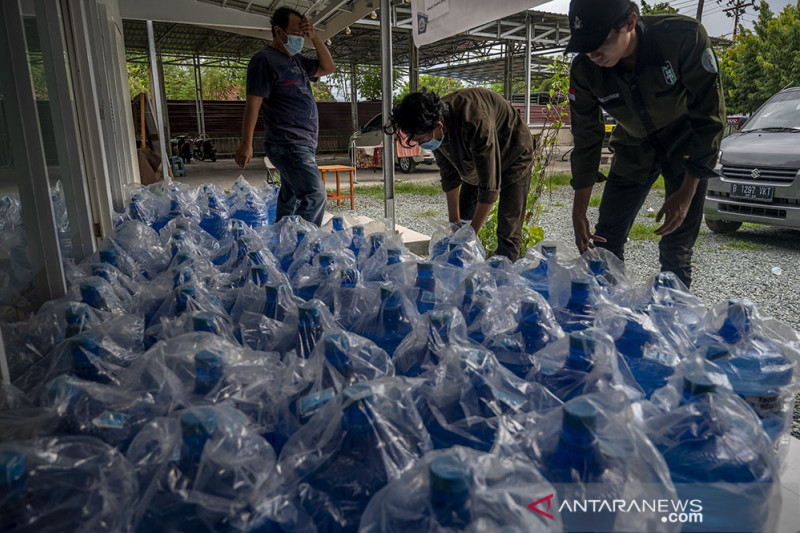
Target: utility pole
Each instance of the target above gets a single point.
(737, 9)
(699, 16)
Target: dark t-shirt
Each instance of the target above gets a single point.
(289, 109)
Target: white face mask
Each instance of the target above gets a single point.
(434, 143)
(293, 44)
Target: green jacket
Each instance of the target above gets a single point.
(670, 111)
(484, 137)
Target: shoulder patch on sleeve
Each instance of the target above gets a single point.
(709, 61)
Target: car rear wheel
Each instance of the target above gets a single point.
(407, 164)
(723, 226)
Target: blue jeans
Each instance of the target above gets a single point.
(302, 191)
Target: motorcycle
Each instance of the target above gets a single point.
(204, 149)
(182, 146)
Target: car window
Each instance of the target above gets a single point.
(374, 124)
(781, 111)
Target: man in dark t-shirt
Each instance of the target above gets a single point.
(279, 84)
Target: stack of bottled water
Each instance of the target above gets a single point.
(213, 370)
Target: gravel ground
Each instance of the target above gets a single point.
(761, 263)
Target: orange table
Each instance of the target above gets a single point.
(338, 196)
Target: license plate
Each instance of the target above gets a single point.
(609, 128)
(760, 193)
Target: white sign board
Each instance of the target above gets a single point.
(438, 19)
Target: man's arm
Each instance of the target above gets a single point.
(580, 223)
(326, 64)
(245, 151)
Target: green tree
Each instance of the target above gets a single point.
(657, 8)
(758, 65)
(440, 85)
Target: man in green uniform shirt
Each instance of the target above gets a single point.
(658, 77)
(484, 151)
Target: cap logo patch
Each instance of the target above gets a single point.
(571, 94)
(669, 73)
(709, 61)
(577, 23)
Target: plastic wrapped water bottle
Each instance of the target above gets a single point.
(537, 277)
(432, 334)
(215, 219)
(460, 490)
(389, 323)
(65, 484)
(718, 454)
(579, 312)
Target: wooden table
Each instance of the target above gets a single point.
(338, 196)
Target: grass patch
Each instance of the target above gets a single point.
(429, 213)
(750, 225)
(594, 201)
(741, 245)
(651, 214)
(559, 204)
(557, 180)
(659, 183)
(642, 232)
(403, 187)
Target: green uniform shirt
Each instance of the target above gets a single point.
(484, 137)
(670, 111)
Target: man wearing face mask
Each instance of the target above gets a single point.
(657, 75)
(484, 151)
(279, 84)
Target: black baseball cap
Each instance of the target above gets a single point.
(590, 22)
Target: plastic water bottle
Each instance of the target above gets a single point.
(197, 427)
(584, 467)
(426, 283)
(326, 268)
(259, 275)
(716, 454)
(338, 223)
(357, 244)
(92, 295)
(376, 240)
(206, 321)
(85, 350)
(102, 270)
(394, 323)
(410, 363)
(510, 352)
(209, 371)
(183, 295)
(569, 381)
(534, 335)
(456, 254)
(451, 480)
(309, 328)
(77, 317)
(579, 312)
(638, 344)
(538, 276)
(272, 307)
(393, 256)
(213, 221)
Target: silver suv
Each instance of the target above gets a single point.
(759, 169)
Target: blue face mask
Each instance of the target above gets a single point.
(434, 143)
(294, 44)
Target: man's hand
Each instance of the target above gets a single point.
(307, 28)
(580, 224)
(676, 206)
(243, 155)
(583, 234)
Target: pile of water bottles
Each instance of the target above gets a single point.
(212, 370)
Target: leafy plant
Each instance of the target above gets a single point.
(543, 154)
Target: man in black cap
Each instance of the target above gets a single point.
(658, 77)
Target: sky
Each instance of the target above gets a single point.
(715, 21)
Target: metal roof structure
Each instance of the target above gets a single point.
(477, 55)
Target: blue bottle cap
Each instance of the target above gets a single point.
(452, 245)
(205, 321)
(178, 235)
(349, 277)
(698, 383)
(90, 286)
(336, 347)
(310, 310)
(530, 310)
(108, 255)
(425, 269)
(597, 265)
(338, 223)
(259, 274)
(181, 276)
(12, 468)
(715, 351)
(326, 259)
(208, 359)
(580, 413)
(583, 340)
(272, 289)
(358, 230)
(394, 254)
(580, 284)
(377, 238)
(102, 270)
(186, 291)
(356, 396)
(549, 250)
(389, 292)
(451, 478)
(301, 234)
(76, 313)
(308, 405)
(440, 319)
(199, 422)
(183, 256)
